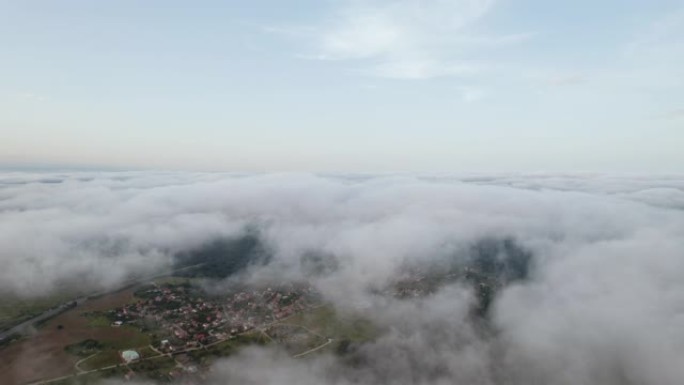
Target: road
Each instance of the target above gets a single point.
(328, 342)
(27, 326)
(80, 372)
(76, 365)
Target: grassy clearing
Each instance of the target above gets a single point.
(109, 351)
(108, 357)
(109, 354)
(14, 310)
(234, 344)
(96, 321)
(84, 348)
(93, 378)
(229, 347)
(156, 369)
(294, 338)
(147, 352)
(135, 339)
(327, 322)
(345, 330)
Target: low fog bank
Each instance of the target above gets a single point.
(591, 265)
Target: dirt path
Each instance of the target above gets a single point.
(76, 365)
(68, 370)
(328, 342)
(43, 356)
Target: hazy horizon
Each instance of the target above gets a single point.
(349, 86)
(341, 192)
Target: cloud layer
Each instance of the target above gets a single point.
(602, 304)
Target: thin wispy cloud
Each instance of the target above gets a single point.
(405, 39)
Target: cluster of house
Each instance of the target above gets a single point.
(188, 318)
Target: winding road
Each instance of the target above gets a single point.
(80, 372)
(27, 326)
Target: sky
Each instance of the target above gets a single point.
(348, 85)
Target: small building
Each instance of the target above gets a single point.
(129, 356)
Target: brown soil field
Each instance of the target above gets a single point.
(42, 355)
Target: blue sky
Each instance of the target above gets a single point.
(349, 85)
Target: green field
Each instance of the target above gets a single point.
(84, 348)
(93, 378)
(109, 352)
(98, 320)
(226, 348)
(342, 329)
(15, 310)
(156, 369)
(107, 357)
(137, 339)
(147, 352)
(327, 322)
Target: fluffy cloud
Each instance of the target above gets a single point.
(602, 304)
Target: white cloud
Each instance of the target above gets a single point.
(603, 304)
(405, 39)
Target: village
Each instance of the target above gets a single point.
(172, 329)
(182, 316)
